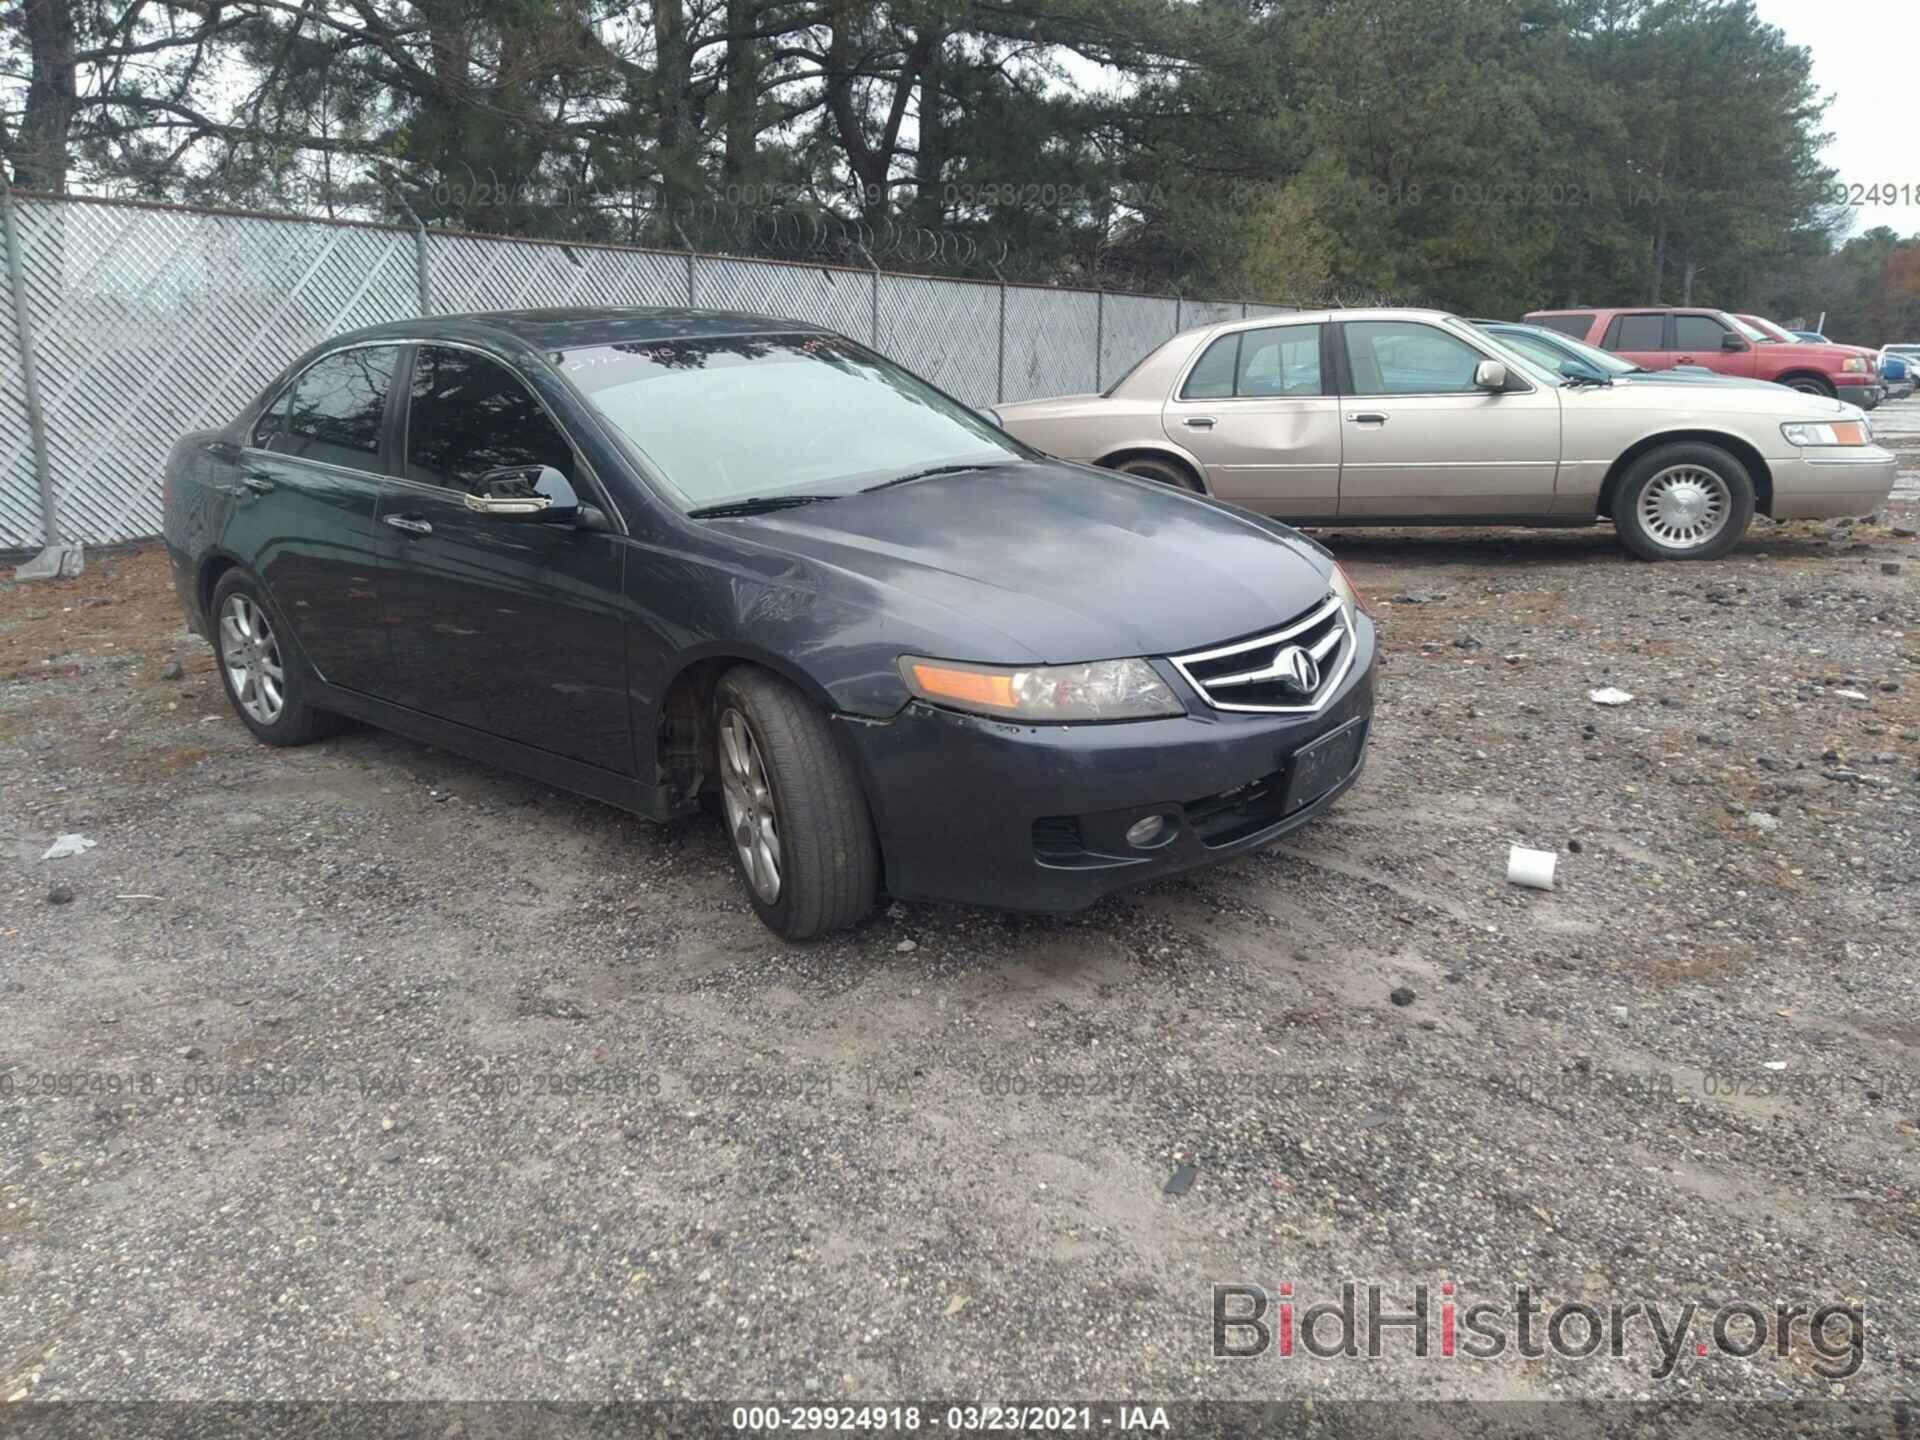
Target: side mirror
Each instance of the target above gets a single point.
(525, 492)
(1731, 341)
(1490, 375)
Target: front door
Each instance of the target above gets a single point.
(1703, 339)
(510, 626)
(1419, 439)
(1257, 411)
(306, 486)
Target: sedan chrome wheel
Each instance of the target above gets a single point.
(255, 671)
(1685, 506)
(750, 811)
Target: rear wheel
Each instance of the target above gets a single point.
(1167, 472)
(802, 838)
(1688, 501)
(259, 669)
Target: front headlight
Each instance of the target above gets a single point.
(1839, 432)
(1101, 690)
(1853, 365)
(1349, 597)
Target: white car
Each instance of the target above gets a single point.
(1417, 417)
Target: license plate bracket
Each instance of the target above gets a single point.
(1319, 766)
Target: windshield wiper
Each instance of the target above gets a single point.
(933, 470)
(754, 505)
(1575, 382)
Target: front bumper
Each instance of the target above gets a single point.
(1823, 484)
(968, 808)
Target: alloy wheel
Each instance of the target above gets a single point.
(251, 654)
(751, 816)
(1685, 506)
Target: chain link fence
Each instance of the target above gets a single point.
(149, 321)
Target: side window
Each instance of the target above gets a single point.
(468, 414)
(335, 408)
(1282, 361)
(1697, 332)
(1576, 324)
(1212, 378)
(1637, 332)
(272, 421)
(1404, 357)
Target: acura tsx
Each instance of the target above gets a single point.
(669, 558)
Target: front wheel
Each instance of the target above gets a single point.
(802, 837)
(1808, 385)
(1683, 502)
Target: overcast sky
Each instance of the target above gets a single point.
(1864, 56)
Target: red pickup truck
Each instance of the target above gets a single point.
(1661, 338)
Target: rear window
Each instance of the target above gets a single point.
(1575, 322)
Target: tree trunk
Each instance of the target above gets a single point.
(672, 98)
(40, 155)
(1659, 262)
(1686, 281)
(930, 165)
(743, 91)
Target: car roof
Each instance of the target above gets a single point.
(563, 328)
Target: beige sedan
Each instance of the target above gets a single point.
(1416, 417)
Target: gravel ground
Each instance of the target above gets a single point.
(365, 1071)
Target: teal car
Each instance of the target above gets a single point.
(1575, 359)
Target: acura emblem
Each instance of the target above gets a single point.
(1299, 671)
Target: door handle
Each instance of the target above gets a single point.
(412, 524)
(1684, 360)
(1366, 417)
(1198, 422)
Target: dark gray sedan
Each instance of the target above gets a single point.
(667, 557)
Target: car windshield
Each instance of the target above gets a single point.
(722, 419)
(1554, 350)
(1775, 332)
(1750, 332)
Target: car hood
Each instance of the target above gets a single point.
(1050, 562)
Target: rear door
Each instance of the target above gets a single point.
(308, 482)
(510, 626)
(1258, 410)
(1419, 439)
(1639, 336)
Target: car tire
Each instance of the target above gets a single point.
(1166, 472)
(1666, 504)
(1810, 385)
(817, 869)
(260, 668)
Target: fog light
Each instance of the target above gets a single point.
(1143, 833)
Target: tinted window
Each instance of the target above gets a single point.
(1282, 361)
(1637, 332)
(334, 410)
(1575, 324)
(1212, 378)
(272, 420)
(468, 415)
(1402, 357)
(1697, 332)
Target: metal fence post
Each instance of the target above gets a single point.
(873, 311)
(1099, 334)
(422, 272)
(689, 244)
(55, 558)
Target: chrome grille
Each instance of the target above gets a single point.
(1296, 668)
